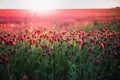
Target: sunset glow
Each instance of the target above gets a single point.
(43, 11)
(57, 4)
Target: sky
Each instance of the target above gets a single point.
(57, 4)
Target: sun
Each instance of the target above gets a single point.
(41, 6)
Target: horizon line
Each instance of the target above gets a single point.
(56, 9)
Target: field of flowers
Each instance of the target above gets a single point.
(65, 52)
(43, 54)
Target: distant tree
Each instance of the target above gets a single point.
(117, 7)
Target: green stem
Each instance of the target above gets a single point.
(8, 69)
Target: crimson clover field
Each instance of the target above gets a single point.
(68, 45)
